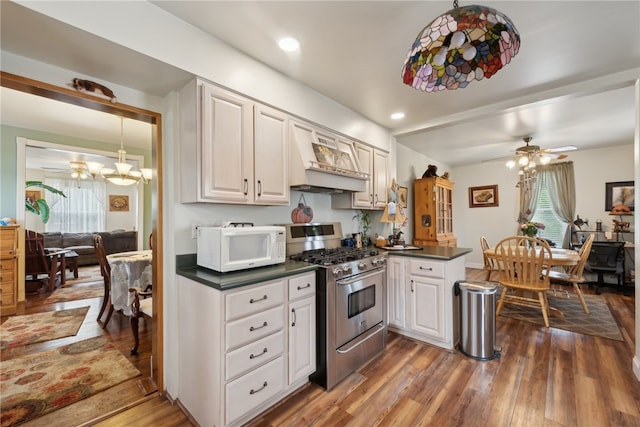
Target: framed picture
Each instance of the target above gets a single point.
(33, 195)
(402, 197)
(619, 193)
(118, 203)
(483, 197)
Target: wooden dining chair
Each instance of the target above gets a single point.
(105, 270)
(41, 267)
(142, 306)
(575, 275)
(521, 264)
(489, 264)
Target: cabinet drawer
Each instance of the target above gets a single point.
(254, 299)
(302, 286)
(427, 268)
(253, 389)
(254, 327)
(248, 357)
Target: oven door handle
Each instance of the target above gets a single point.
(371, 334)
(359, 277)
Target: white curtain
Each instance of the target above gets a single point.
(83, 210)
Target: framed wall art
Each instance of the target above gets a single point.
(619, 193)
(402, 196)
(32, 195)
(118, 203)
(483, 197)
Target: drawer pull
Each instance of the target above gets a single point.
(253, 356)
(264, 385)
(251, 301)
(304, 287)
(255, 328)
(428, 269)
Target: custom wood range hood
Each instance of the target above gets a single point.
(322, 162)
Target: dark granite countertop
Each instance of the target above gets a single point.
(430, 252)
(186, 266)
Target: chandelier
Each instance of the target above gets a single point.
(123, 173)
(464, 44)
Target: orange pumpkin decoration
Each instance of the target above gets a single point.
(303, 213)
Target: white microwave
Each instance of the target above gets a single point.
(226, 249)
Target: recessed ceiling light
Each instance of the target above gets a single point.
(289, 44)
(397, 116)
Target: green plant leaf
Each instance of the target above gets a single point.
(44, 210)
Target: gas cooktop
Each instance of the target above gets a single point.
(334, 255)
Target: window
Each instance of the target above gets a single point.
(554, 227)
(83, 210)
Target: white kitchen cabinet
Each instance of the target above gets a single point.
(375, 163)
(236, 357)
(396, 286)
(421, 301)
(234, 150)
(302, 327)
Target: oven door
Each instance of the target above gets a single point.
(359, 305)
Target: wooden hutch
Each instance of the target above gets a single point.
(433, 212)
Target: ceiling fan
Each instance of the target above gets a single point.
(532, 155)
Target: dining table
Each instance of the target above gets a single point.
(129, 270)
(559, 257)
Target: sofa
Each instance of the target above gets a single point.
(82, 243)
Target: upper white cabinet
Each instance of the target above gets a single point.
(234, 150)
(375, 163)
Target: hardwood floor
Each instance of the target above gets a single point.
(547, 377)
(544, 377)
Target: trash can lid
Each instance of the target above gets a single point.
(478, 286)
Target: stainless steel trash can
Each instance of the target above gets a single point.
(477, 319)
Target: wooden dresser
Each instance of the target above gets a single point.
(433, 212)
(8, 269)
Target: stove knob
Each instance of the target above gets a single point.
(362, 265)
(347, 269)
(382, 260)
(337, 272)
(374, 262)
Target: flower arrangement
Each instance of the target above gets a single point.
(530, 228)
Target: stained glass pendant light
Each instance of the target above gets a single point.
(464, 44)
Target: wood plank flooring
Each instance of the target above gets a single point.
(545, 377)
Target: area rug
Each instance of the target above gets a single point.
(77, 292)
(37, 384)
(85, 274)
(599, 322)
(33, 328)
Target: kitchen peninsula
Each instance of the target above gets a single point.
(421, 303)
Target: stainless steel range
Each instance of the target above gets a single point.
(350, 301)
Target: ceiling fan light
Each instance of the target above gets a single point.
(510, 164)
(523, 161)
(545, 160)
(94, 168)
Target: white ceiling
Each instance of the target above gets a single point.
(569, 84)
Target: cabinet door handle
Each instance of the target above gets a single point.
(253, 356)
(375, 198)
(251, 301)
(259, 188)
(255, 328)
(246, 186)
(304, 287)
(412, 286)
(257, 390)
(293, 312)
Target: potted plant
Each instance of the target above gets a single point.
(40, 206)
(364, 219)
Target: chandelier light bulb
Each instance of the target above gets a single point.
(545, 160)
(510, 164)
(523, 161)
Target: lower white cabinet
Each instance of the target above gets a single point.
(236, 357)
(421, 300)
